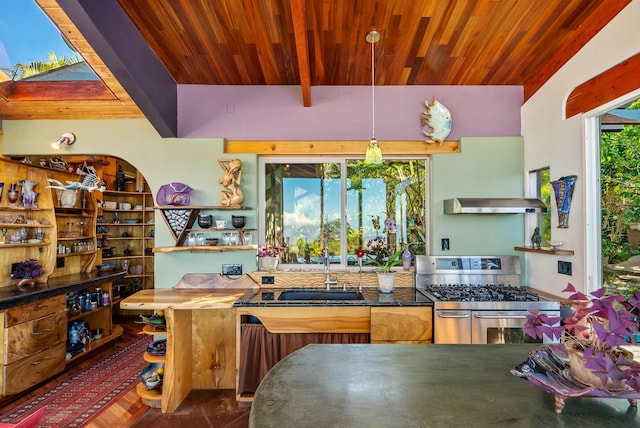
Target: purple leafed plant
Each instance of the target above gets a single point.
(599, 325)
(26, 269)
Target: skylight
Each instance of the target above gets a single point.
(30, 42)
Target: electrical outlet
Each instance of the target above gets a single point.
(565, 268)
(268, 280)
(232, 269)
(445, 244)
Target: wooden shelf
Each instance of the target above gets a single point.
(149, 329)
(154, 358)
(205, 249)
(85, 313)
(76, 254)
(545, 250)
(152, 398)
(77, 238)
(202, 207)
(24, 244)
(116, 332)
(44, 226)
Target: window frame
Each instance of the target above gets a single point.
(342, 160)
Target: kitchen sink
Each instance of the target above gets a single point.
(305, 294)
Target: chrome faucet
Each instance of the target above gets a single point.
(328, 281)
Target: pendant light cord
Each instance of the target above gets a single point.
(373, 91)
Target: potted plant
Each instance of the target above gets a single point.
(269, 256)
(386, 277)
(594, 335)
(26, 271)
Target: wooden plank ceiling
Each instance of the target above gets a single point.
(322, 42)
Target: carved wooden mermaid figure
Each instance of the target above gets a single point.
(232, 194)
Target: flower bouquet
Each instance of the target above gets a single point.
(26, 271)
(269, 256)
(594, 336)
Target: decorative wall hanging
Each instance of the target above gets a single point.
(563, 189)
(436, 121)
(232, 195)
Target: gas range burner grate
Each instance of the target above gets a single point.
(481, 293)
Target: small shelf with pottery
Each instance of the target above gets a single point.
(179, 219)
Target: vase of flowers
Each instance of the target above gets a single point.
(381, 256)
(594, 335)
(269, 256)
(26, 272)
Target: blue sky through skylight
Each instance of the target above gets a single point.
(27, 34)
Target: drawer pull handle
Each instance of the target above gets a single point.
(35, 363)
(38, 333)
(40, 307)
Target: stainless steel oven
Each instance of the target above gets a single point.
(478, 299)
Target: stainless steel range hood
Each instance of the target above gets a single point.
(494, 206)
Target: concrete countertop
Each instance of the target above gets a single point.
(401, 296)
(14, 296)
(418, 386)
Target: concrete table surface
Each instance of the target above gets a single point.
(418, 386)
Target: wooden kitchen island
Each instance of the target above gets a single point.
(201, 335)
(418, 386)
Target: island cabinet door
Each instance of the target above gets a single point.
(407, 324)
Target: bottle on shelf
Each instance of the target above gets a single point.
(120, 179)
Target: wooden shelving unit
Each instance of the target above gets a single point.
(153, 397)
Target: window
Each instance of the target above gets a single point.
(343, 205)
(541, 189)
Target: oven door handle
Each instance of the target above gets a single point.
(500, 316)
(450, 314)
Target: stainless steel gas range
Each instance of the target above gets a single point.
(478, 299)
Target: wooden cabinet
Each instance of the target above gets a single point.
(129, 237)
(34, 337)
(406, 324)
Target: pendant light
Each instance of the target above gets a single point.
(373, 156)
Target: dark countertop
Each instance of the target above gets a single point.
(401, 296)
(14, 296)
(418, 386)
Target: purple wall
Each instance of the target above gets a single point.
(343, 113)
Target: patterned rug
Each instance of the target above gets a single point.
(82, 397)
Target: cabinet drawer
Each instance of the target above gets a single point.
(408, 324)
(30, 371)
(31, 337)
(33, 310)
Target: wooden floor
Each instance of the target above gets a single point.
(200, 409)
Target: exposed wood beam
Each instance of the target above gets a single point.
(613, 83)
(302, 49)
(118, 42)
(339, 148)
(59, 90)
(605, 12)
